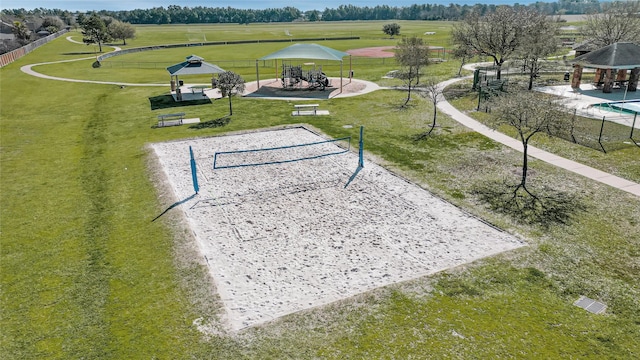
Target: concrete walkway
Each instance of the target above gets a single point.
(28, 69)
(585, 101)
(70, 39)
(589, 172)
(447, 108)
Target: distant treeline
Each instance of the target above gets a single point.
(175, 14)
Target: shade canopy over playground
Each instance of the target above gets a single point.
(612, 63)
(307, 51)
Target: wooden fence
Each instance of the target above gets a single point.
(8, 58)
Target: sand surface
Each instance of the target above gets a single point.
(285, 237)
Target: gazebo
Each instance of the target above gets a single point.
(612, 64)
(307, 51)
(194, 65)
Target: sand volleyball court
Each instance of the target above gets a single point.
(286, 237)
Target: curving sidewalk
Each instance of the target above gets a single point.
(444, 106)
(586, 171)
(28, 69)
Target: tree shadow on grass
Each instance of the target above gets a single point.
(544, 206)
(431, 131)
(167, 102)
(405, 107)
(211, 123)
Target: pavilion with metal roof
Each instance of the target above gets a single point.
(307, 51)
(612, 63)
(194, 65)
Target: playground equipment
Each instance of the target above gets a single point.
(293, 77)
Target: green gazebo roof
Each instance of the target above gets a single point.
(307, 51)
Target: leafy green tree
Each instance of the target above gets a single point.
(229, 84)
(411, 54)
(81, 18)
(68, 18)
(52, 24)
(94, 31)
(21, 32)
(313, 15)
(121, 30)
(392, 29)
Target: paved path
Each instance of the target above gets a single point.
(28, 69)
(447, 108)
(591, 173)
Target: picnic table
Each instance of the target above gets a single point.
(199, 87)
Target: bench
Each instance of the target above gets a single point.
(170, 119)
(198, 88)
(306, 106)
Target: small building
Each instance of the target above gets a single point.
(616, 65)
(194, 65)
(584, 47)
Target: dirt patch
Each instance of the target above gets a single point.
(375, 52)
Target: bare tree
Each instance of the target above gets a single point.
(229, 84)
(433, 93)
(463, 53)
(538, 42)
(619, 22)
(411, 54)
(528, 114)
(497, 34)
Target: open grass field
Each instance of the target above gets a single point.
(86, 273)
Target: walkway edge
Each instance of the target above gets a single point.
(570, 165)
(447, 108)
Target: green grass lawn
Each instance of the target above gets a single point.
(86, 273)
(621, 158)
(372, 30)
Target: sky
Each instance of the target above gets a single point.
(304, 5)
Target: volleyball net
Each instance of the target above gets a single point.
(281, 154)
